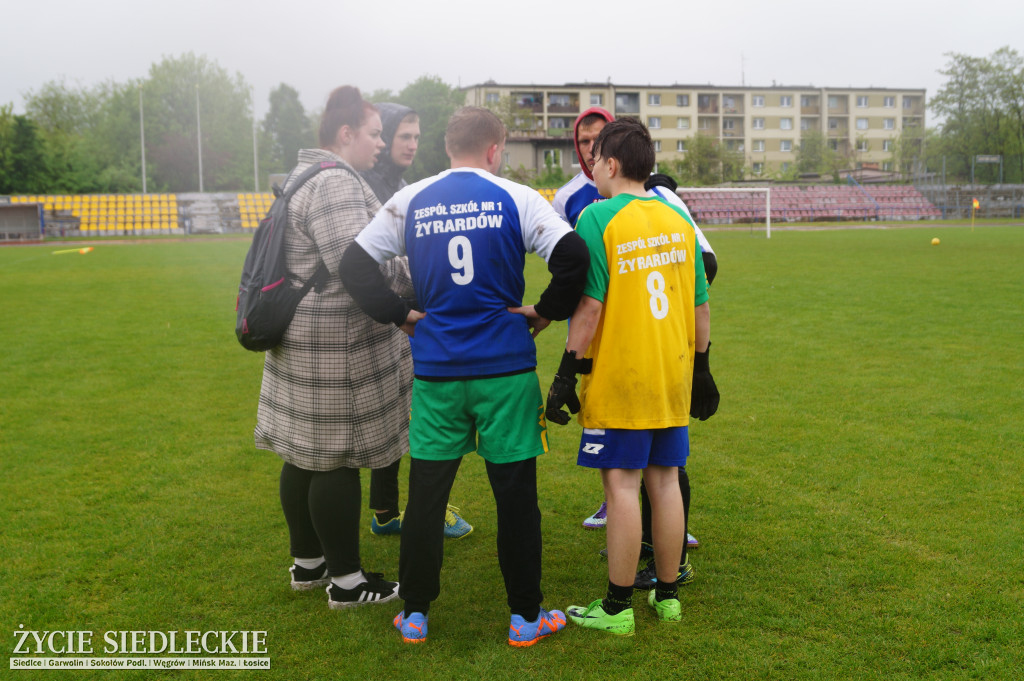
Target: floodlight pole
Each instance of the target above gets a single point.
(199, 138)
(142, 136)
(255, 155)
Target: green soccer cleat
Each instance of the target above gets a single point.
(593, 616)
(669, 610)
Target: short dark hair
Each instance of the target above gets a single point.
(628, 142)
(471, 130)
(345, 106)
(590, 119)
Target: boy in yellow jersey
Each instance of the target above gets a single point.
(640, 338)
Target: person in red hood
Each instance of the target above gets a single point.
(569, 202)
(580, 191)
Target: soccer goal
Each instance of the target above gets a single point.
(729, 206)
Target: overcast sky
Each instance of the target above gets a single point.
(315, 45)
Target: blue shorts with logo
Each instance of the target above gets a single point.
(619, 448)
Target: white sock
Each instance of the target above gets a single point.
(309, 563)
(349, 581)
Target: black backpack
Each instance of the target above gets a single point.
(266, 299)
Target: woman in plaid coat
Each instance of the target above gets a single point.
(336, 391)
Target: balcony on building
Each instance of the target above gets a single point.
(838, 126)
(732, 126)
(810, 105)
(707, 103)
(530, 101)
(563, 102)
(560, 126)
(838, 104)
(708, 126)
(732, 103)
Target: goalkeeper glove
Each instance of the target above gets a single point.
(563, 388)
(704, 394)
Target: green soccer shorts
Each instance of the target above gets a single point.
(501, 418)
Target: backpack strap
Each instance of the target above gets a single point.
(319, 278)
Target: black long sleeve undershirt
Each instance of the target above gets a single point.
(364, 281)
(568, 265)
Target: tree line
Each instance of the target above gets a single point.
(80, 140)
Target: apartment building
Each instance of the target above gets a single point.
(765, 124)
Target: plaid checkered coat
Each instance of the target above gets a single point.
(336, 392)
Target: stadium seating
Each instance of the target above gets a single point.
(252, 208)
(811, 203)
(107, 214)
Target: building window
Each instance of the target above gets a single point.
(833, 102)
(491, 98)
(657, 145)
(785, 124)
(653, 100)
(785, 166)
(862, 101)
(887, 145)
(785, 100)
(680, 145)
(887, 166)
(683, 123)
(553, 157)
(506, 158)
(806, 123)
(728, 124)
(862, 145)
(682, 100)
(805, 100)
(889, 123)
(627, 102)
(889, 102)
(757, 124)
(908, 102)
(704, 123)
(654, 122)
(833, 145)
(833, 124)
(785, 145)
(560, 123)
(596, 100)
(757, 100)
(757, 145)
(728, 104)
(758, 168)
(862, 124)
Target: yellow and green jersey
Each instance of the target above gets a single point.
(646, 267)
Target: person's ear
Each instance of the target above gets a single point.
(613, 167)
(492, 153)
(344, 136)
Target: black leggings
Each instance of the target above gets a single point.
(645, 510)
(322, 512)
(384, 488)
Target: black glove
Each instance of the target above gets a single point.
(563, 388)
(660, 180)
(704, 394)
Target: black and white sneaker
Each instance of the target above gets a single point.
(375, 589)
(304, 579)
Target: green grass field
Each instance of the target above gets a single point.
(857, 496)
